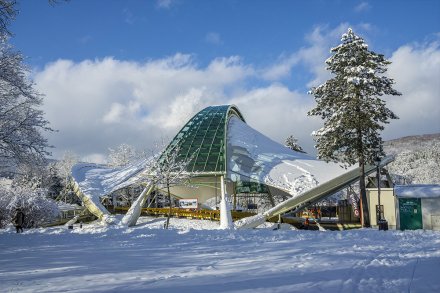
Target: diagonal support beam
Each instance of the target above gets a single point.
(135, 210)
(311, 196)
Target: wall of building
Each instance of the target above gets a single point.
(388, 200)
(205, 189)
(431, 213)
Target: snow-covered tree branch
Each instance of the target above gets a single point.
(292, 143)
(63, 171)
(21, 120)
(169, 169)
(38, 209)
(7, 14)
(123, 155)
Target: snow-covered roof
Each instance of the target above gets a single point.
(96, 180)
(68, 207)
(254, 157)
(417, 191)
(5, 182)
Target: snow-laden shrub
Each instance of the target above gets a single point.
(5, 217)
(37, 208)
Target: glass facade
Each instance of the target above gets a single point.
(250, 187)
(203, 140)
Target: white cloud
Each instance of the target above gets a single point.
(313, 56)
(362, 7)
(213, 38)
(97, 104)
(85, 39)
(103, 103)
(282, 68)
(165, 4)
(416, 70)
(278, 112)
(182, 108)
(119, 111)
(128, 16)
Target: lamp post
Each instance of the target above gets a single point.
(381, 222)
(378, 210)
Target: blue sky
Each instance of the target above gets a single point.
(125, 66)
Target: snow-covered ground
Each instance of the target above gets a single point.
(194, 256)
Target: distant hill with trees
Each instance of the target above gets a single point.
(417, 159)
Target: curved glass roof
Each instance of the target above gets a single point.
(203, 138)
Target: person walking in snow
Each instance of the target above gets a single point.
(306, 224)
(18, 220)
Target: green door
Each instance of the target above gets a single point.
(410, 210)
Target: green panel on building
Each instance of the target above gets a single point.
(203, 139)
(410, 210)
(250, 187)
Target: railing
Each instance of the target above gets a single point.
(213, 215)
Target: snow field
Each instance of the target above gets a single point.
(195, 256)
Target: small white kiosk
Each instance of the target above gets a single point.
(388, 206)
(418, 206)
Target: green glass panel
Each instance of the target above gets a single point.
(203, 137)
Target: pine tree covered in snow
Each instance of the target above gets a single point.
(351, 107)
(292, 143)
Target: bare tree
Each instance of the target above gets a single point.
(64, 169)
(7, 14)
(168, 169)
(64, 166)
(21, 122)
(8, 11)
(30, 174)
(37, 207)
(164, 170)
(122, 155)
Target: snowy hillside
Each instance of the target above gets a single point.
(417, 159)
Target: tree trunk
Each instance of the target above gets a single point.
(364, 203)
(271, 200)
(235, 196)
(167, 223)
(360, 153)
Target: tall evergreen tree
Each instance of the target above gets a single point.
(351, 106)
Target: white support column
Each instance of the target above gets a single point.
(135, 210)
(225, 208)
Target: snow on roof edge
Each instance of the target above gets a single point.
(417, 191)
